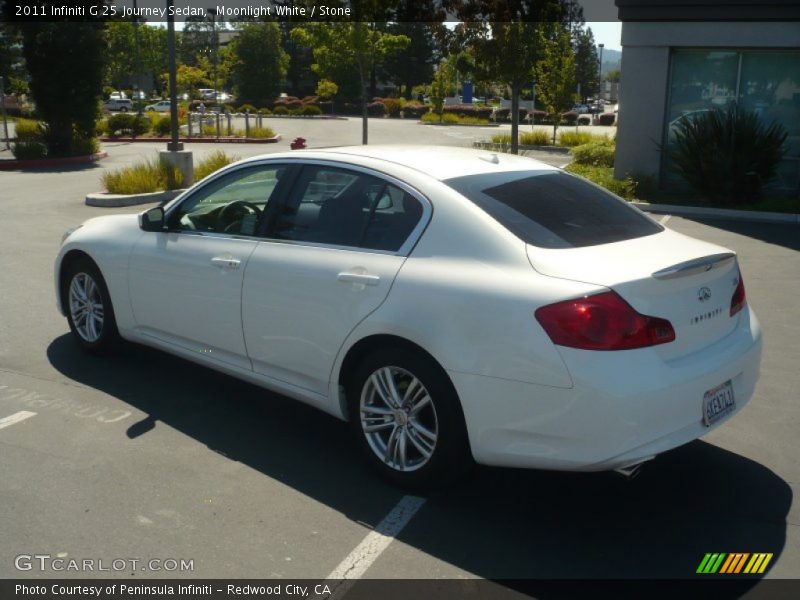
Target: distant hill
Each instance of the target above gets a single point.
(612, 59)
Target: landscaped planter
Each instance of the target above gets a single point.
(46, 163)
(198, 140)
(105, 199)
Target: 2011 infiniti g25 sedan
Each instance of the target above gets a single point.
(450, 304)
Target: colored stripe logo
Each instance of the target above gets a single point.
(733, 563)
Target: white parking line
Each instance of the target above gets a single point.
(361, 558)
(665, 219)
(16, 418)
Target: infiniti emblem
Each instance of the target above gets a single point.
(703, 294)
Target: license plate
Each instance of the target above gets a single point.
(718, 403)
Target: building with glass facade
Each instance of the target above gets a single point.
(683, 60)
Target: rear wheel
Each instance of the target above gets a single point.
(88, 306)
(407, 419)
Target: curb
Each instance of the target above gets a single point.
(551, 149)
(756, 216)
(202, 140)
(490, 124)
(44, 163)
(103, 199)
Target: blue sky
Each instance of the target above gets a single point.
(608, 33)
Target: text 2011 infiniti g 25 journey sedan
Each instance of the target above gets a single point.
(449, 303)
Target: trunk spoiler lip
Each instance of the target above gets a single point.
(695, 266)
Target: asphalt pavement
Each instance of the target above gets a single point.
(145, 456)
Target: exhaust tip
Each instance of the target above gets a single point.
(632, 470)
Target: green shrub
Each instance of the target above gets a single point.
(141, 178)
(376, 109)
(310, 110)
(501, 138)
(472, 121)
(162, 126)
(534, 138)
(28, 130)
(83, 146)
(430, 118)
(595, 154)
(256, 132)
(128, 123)
(29, 150)
(245, 108)
(571, 138)
(604, 177)
(280, 110)
(450, 118)
(726, 155)
(264, 111)
(584, 120)
(415, 111)
(213, 162)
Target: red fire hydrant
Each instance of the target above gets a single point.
(298, 143)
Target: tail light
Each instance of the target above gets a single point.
(738, 300)
(602, 322)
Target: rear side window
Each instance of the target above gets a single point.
(554, 210)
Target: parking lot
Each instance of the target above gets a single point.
(147, 456)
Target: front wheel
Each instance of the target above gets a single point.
(88, 306)
(407, 419)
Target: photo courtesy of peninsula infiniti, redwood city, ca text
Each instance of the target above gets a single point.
(453, 305)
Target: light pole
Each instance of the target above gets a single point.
(600, 86)
(5, 117)
(137, 87)
(213, 13)
(175, 156)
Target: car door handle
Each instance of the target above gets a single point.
(227, 262)
(364, 278)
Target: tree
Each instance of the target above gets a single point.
(120, 53)
(326, 90)
(507, 36)
(586, 64)
(66, 63)
(555, 75)
(441, 86)
(12, 65)
(613, 76)
(197, 39)
(260, 64)
(345, 47)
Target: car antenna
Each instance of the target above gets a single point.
(492, 158)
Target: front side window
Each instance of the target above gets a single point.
(345, 208)
(234, 203)
(554, 210)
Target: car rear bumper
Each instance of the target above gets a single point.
(624, 407)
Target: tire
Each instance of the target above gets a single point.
(415, 443)
(123, 109)
(93, 325)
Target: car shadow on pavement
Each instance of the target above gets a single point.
(500, 524)
(779, 234)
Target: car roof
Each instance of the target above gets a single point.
(438, 162)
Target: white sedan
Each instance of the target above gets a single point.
(161, 106)
(450, 304)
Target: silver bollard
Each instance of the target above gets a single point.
(247, 123)
(228, 117)
(189, 123)
(218, 129)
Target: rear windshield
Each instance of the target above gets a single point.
(554, 210)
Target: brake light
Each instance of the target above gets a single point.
(602, 322)
(738, 300)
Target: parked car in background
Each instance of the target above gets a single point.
(581, 109)
(596, 108)
(161, 106)
(451, 304)
(118, 96)
(118, 104)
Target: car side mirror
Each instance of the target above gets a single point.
(152, 220)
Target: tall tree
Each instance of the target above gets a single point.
(260, 63)
(555, 75)
(66, 62)
(586, 64)
(12, 65)
(353, 46)
(507, 35)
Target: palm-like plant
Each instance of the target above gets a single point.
(726, 155)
